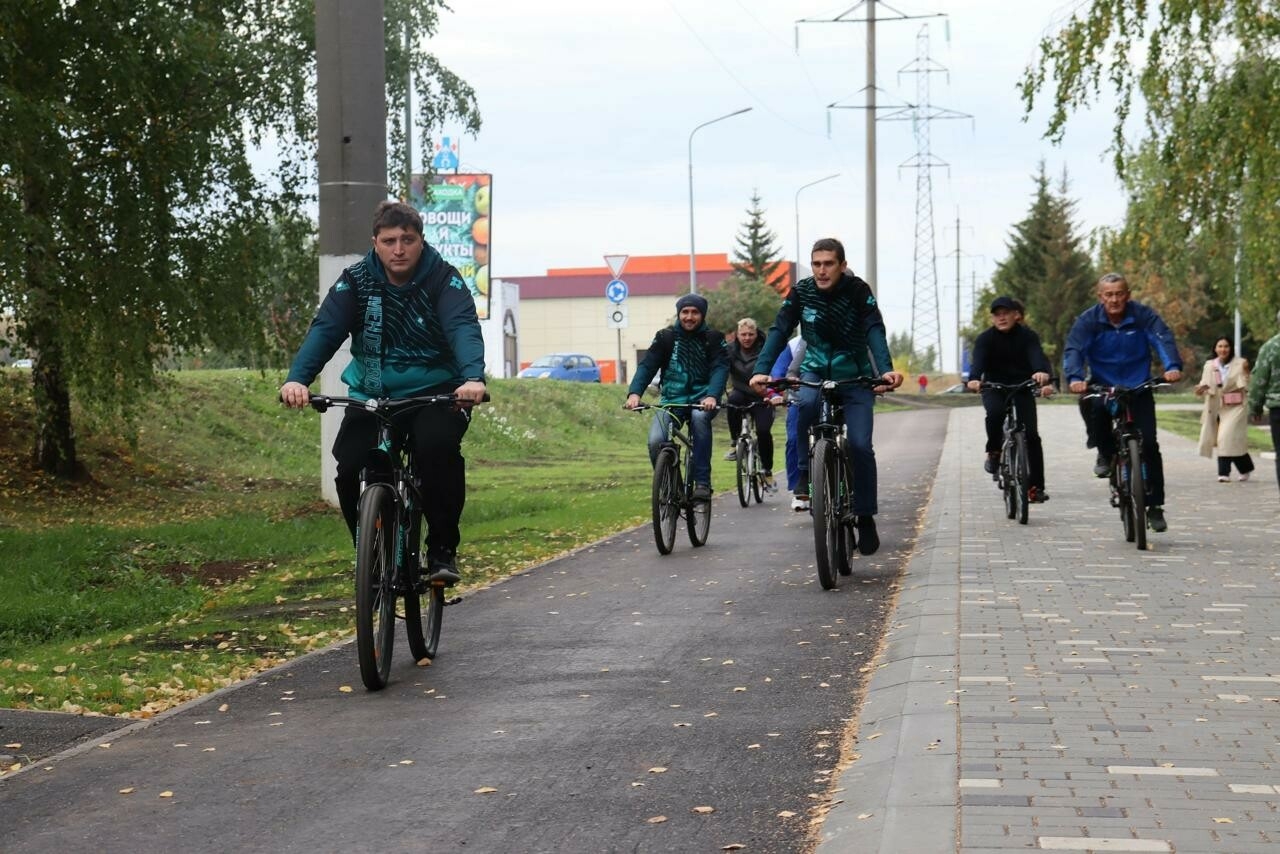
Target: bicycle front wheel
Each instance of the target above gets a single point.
(1004, 474)
(375, 584)
(1020, 477)
(666, 500)
(742, 453)
(1137, 493)
(757, 478)
(825, 506)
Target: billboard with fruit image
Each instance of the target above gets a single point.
(455, 217)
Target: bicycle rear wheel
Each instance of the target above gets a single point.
(743, 464)
(1020, 477)
(375, 584)
(1120, 491)
(1004, 475)
(666, 501)
(421, 600)
(825, 505)
(1137, 493)
(699, 521)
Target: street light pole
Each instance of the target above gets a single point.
(805, 187)
(693, 264)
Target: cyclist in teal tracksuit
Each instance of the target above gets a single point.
(694, 360)
(413, 329)
(845, 338)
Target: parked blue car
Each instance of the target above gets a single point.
(575, 367)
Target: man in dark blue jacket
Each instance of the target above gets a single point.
(1115, 339)
(1010, 353)
(694, 360)
(413, 329)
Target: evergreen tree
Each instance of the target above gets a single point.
(1046, 268)
(757, 255)
(738, 297)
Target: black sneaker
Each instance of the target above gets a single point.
(442, 570)
(868, 539)
(701, 492)
(1156, 521)
(1102, 466)
(991, 463)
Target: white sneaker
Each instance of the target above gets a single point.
(1223, 479)
(800, 503)
(1244, 477)
(730, 455)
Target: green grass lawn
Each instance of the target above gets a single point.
(199, 552)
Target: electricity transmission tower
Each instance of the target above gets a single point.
(926, 325)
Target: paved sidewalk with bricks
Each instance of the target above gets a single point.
(1050, 687)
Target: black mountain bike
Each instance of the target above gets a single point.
(831, 480)
(1013, 475)
(751, 479)
(1128, 468)
(389, 541)
(672, 496)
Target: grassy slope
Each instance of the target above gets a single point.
(201, 552)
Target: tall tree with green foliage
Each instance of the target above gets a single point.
(906, 358)
(1046, 268)
(137, 223)
(738, 297)
(757, 255)
(1209, 81)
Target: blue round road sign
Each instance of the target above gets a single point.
(616, 291)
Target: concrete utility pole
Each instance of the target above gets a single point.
(351, 112)
(870, 20)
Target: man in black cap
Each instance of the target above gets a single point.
(1010, 353)
(694, 361)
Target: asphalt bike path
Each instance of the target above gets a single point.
(612, 700)
(1049, 687)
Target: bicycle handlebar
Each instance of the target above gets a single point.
(1097, 390)
(641, 407)
(1027, 384)
(877, 384)
(389, 405)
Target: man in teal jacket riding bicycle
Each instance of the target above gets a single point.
(694, 360)
(845, 338)
(413, 329)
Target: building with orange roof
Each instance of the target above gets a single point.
(566, 310)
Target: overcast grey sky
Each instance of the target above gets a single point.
(588, 107)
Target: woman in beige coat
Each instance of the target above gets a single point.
(1225, 423)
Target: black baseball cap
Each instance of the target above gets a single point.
(1005, 302)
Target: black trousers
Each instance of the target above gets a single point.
(436, 433)
(1025, 404)
(763, 416)
(1097, 422)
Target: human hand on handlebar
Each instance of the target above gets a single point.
(472, 391)
(295, 395)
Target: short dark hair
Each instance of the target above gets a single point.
(391, 214)
(829, 244)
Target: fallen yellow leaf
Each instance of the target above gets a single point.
(128, 790)
(733, 846)
(786, 814)
(865, 815)
(346, 689)
(424, 662)
(14, 745)
(657, 769)
(657, 819)
(223, 707)
(485, 790)
(105, 745)
(166, 794)
(1223, 821)
(703, 810)
(874, 735)
(753, 747)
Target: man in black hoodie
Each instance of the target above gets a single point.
(1010, 353)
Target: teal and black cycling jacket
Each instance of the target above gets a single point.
(694, 365)
(843, 330)
(405, 339)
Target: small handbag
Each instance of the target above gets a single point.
(1235, 397)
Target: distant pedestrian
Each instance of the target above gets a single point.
(1264, 390)
(924, 383)
(1223, 423)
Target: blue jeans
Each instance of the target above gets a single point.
(858, 408)
(793, 448)
(1097, 422)
(699, 432)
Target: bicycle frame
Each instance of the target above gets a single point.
(1128, 475)
(1012, 475)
